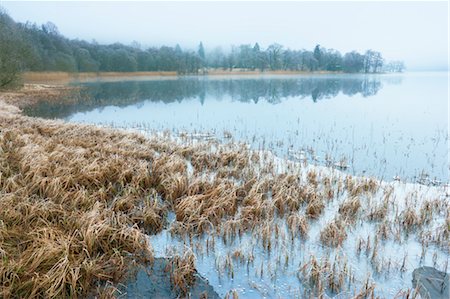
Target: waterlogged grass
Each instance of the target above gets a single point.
(75, 204)
(78, 203)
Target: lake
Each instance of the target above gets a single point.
(379, 125)
(384, 126)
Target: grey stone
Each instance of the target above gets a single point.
(431, 283)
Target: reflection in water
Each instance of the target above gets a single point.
(386, 126)
(120, 94)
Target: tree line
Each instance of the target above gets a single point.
(28, 46)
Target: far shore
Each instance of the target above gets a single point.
(66, 77)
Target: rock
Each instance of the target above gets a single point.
(431, 283)
(155, 283)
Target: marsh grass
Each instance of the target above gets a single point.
(77, 203)
(350, 207)
(182, 272)
(334, 233)
(298, 225)
(72, 204)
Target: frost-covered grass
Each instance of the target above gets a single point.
(265, 226)
(79, 204)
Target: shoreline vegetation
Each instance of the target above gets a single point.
(62, 233)
(42, 48)
(78, 202)
(61, 78)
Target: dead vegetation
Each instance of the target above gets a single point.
(64, 77)
(350, 207)
(333, 234)
(32, 94)
(298, 225)
(325, 274)
(182, 272)
(73, 207)
(76, 203)
(409, 219)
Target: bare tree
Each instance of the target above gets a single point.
(274, 52)
(373, 61)
(394, 67)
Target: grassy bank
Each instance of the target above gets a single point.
(32, 94)
(77, 203)
(73, 209)
(64, 78)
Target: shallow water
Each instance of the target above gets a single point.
(385, 126)
(382, 125)
(256, 272)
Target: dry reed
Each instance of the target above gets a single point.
(333, 234)
(182, 272)
(76, 203)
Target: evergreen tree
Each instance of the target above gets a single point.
(201, 51)
(318, 55)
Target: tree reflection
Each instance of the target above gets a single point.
(272, 90)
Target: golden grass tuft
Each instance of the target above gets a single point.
(350, 207)
(409, 218)
(202, 212)
(297, 224)
(287, 194)
(315, 207)
(312, 272)
(378, 212)
(322, 274)
(362, 185)
(333, 234)
(182, 272)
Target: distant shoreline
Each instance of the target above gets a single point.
(66, 77)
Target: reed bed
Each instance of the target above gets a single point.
(31, 94)
(75, 204)
(78, 202)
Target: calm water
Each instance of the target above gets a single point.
(384, 125)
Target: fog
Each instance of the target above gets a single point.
(415, 32)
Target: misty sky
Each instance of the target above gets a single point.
(415, 32)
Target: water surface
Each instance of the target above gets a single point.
(380, 125)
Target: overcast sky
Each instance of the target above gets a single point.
(415, 32)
